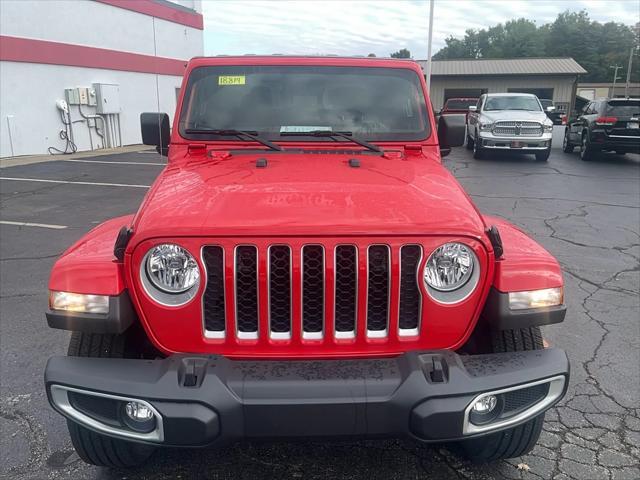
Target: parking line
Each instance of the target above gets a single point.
(99, 184)
(29, 224)
(107, 161)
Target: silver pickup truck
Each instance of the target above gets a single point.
(509, 121)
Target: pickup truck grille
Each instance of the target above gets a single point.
(308, 294)
(515, 128)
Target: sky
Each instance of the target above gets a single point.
(360, 27)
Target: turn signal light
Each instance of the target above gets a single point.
(78, 302)
(547, 297)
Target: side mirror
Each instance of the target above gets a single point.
(550, 108)
(473, 108)
(451, 132)
(156, 131)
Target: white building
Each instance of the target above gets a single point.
(109, 60)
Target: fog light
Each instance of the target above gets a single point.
(139, 417)
(138, 411)
(485, 404)
(486, 409)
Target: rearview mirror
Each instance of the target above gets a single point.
(550, 108)
(156, 131)
(473, 108)
(451, 131)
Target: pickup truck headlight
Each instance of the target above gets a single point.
(449, 267)
(171, 268)
(547, 297)
(548, 127)
(78, 302)
(486, 126)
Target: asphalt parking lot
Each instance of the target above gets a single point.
(586, 213)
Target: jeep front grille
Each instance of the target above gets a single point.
(514, 128)
(296, 281)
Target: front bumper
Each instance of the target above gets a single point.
(202, 400)
(501, 142)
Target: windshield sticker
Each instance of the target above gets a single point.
(302, 129)
(231, 80)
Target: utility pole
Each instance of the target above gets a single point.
(615, 78)
(626, 85)
(429, 44)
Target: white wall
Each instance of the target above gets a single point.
(95, 24)
(28, 93)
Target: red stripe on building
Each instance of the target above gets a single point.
(158, 10)
(16, 49)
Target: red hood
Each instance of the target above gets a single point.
(306, 194)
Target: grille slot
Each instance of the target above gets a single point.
(312, 291)
(213, 303)
(346, 290)
(410, 295)
(378, 280)
(246, 298)
(280, 291)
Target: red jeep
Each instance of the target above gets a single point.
(458, 105)
(304, 266)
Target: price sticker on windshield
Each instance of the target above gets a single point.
(231, 80)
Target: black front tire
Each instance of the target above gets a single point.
(515, 441)
(544, 155)
(586, 150)
(478, 151)
(469, 144)
(95, 448)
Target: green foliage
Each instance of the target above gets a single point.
(593, 45)
(403, 53)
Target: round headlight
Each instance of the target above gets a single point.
(449, 267)
(171, 268)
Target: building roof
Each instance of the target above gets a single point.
(505, 66)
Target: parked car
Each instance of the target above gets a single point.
(304, 266)
(458, 105)
(509, 121)
(611, 124)
(552, 113)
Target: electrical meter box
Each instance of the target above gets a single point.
(83, 93)
(107, 98)
(72, 97)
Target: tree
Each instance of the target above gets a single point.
(371, 55)
(593, 45)
(403, 53)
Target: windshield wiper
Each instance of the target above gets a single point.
(332, 134)
(235, 133)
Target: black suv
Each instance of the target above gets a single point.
(552, 114)
(611, 124)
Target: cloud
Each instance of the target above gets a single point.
(357, 27)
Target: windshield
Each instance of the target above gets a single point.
(513, 103)
(371, 103)
(460, 103)
(624, 108)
